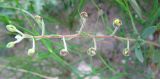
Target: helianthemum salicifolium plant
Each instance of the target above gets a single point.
(117, 23)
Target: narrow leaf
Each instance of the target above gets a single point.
(136, 7)
(139, 54)
(148, 31)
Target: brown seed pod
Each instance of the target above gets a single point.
(64, 52)
(84, 14)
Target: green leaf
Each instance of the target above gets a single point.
(121, 4)
(118, 75)
(138, 53)
(38, 6)
(136, 7)
(148, 31)
(43, 55)
(156, 56)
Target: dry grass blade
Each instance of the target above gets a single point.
(26, 71)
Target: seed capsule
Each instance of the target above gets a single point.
(84, 14)
(126, 52)
(31, 52)
(91, 51)
(64, 52)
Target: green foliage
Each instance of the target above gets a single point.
(139, 54)
(148, 31)
(136, 7)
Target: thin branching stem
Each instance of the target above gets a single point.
(115, 30)
(33, 44)
(43, 28)
(95, 44)
(128, 44)
(64, 42)
(91, 36)
(83, 20)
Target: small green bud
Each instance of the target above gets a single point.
(11, 28)
(64, 52)
(91, 51)
(10, 44)
(31, 52)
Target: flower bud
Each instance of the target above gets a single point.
(11, 28)
(126, 52)
(64, 52)
(117, 22)
(91, 51)
(10, 44)
(31, 52)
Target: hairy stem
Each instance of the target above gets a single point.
(91, 36)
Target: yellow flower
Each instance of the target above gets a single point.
(117, 22)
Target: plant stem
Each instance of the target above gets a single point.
(64, 42)
(95, 44)
(91, 36)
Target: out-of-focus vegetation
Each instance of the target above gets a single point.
(140, 21)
